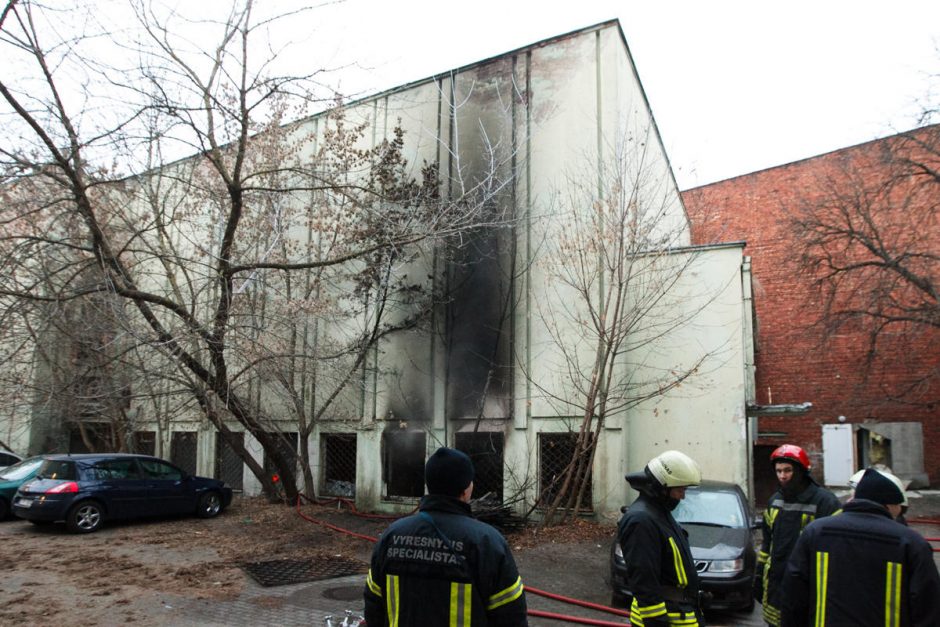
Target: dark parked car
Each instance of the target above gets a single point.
(11, 478)
(719, 523)
(85, 490)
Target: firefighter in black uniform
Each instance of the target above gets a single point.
(862, 568)
(660, 572)
(798, 502)
(441, 567)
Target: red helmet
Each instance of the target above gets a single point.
(793, 454)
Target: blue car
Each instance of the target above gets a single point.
(86, 490)
(12, 477)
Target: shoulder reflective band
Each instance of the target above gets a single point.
(505, 596)
(374, 588)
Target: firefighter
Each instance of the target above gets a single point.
(798, 501)
(441, 566)
(861, 567)
(853, 483)
(660, 572)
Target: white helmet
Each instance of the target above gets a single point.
(673, 469)
(854, 479)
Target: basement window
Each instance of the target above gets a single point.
(486, 451)
(556, 451)
(403, 454)
(338, 451)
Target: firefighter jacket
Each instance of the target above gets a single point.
(784, 520)
(660, 572)
(861, 568)
(441, 567)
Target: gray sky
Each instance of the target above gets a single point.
(735, 86)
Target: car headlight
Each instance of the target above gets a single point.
(617, 550)
(726, 566)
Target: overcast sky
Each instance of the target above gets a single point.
(735, 86)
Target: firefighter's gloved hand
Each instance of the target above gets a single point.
(705, 599)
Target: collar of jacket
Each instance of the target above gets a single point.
(447, 504)
(864, 506)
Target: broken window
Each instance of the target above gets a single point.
(556, 450)
(338, 451)
(183, 450)
(403, 454)
(486, 451)
(229, 467)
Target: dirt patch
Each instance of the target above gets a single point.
(52, 576)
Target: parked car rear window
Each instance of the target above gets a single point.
(55, 469)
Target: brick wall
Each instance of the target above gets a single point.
(797, 360)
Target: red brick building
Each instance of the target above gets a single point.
(845, 251)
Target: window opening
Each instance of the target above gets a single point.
(183, 450)
(556, 451)
(229, 467)
(486, 451)
(403, 454)
(339, 464)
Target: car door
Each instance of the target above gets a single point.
(117, 483)
(168, 487)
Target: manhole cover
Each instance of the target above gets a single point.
(285, 572)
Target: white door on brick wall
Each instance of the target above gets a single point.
(838, 454)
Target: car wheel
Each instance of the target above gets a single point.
(209, 506)
(85, 517)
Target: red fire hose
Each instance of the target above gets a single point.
(539, 613)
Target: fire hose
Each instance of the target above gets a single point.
(536, 591)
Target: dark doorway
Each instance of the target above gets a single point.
(183, 450)
(229, 467)
(403, 454)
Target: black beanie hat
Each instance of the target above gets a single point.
(448, 472)
(874, 486)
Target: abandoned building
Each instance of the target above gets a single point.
(821, 387)
(501, 369)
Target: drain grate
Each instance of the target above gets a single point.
(286, 572)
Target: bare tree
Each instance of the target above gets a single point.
(614, 262)
(869, 243)
(220, 266)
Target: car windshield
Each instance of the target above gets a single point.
(708, 507)
(20, 470)
(56, 469)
